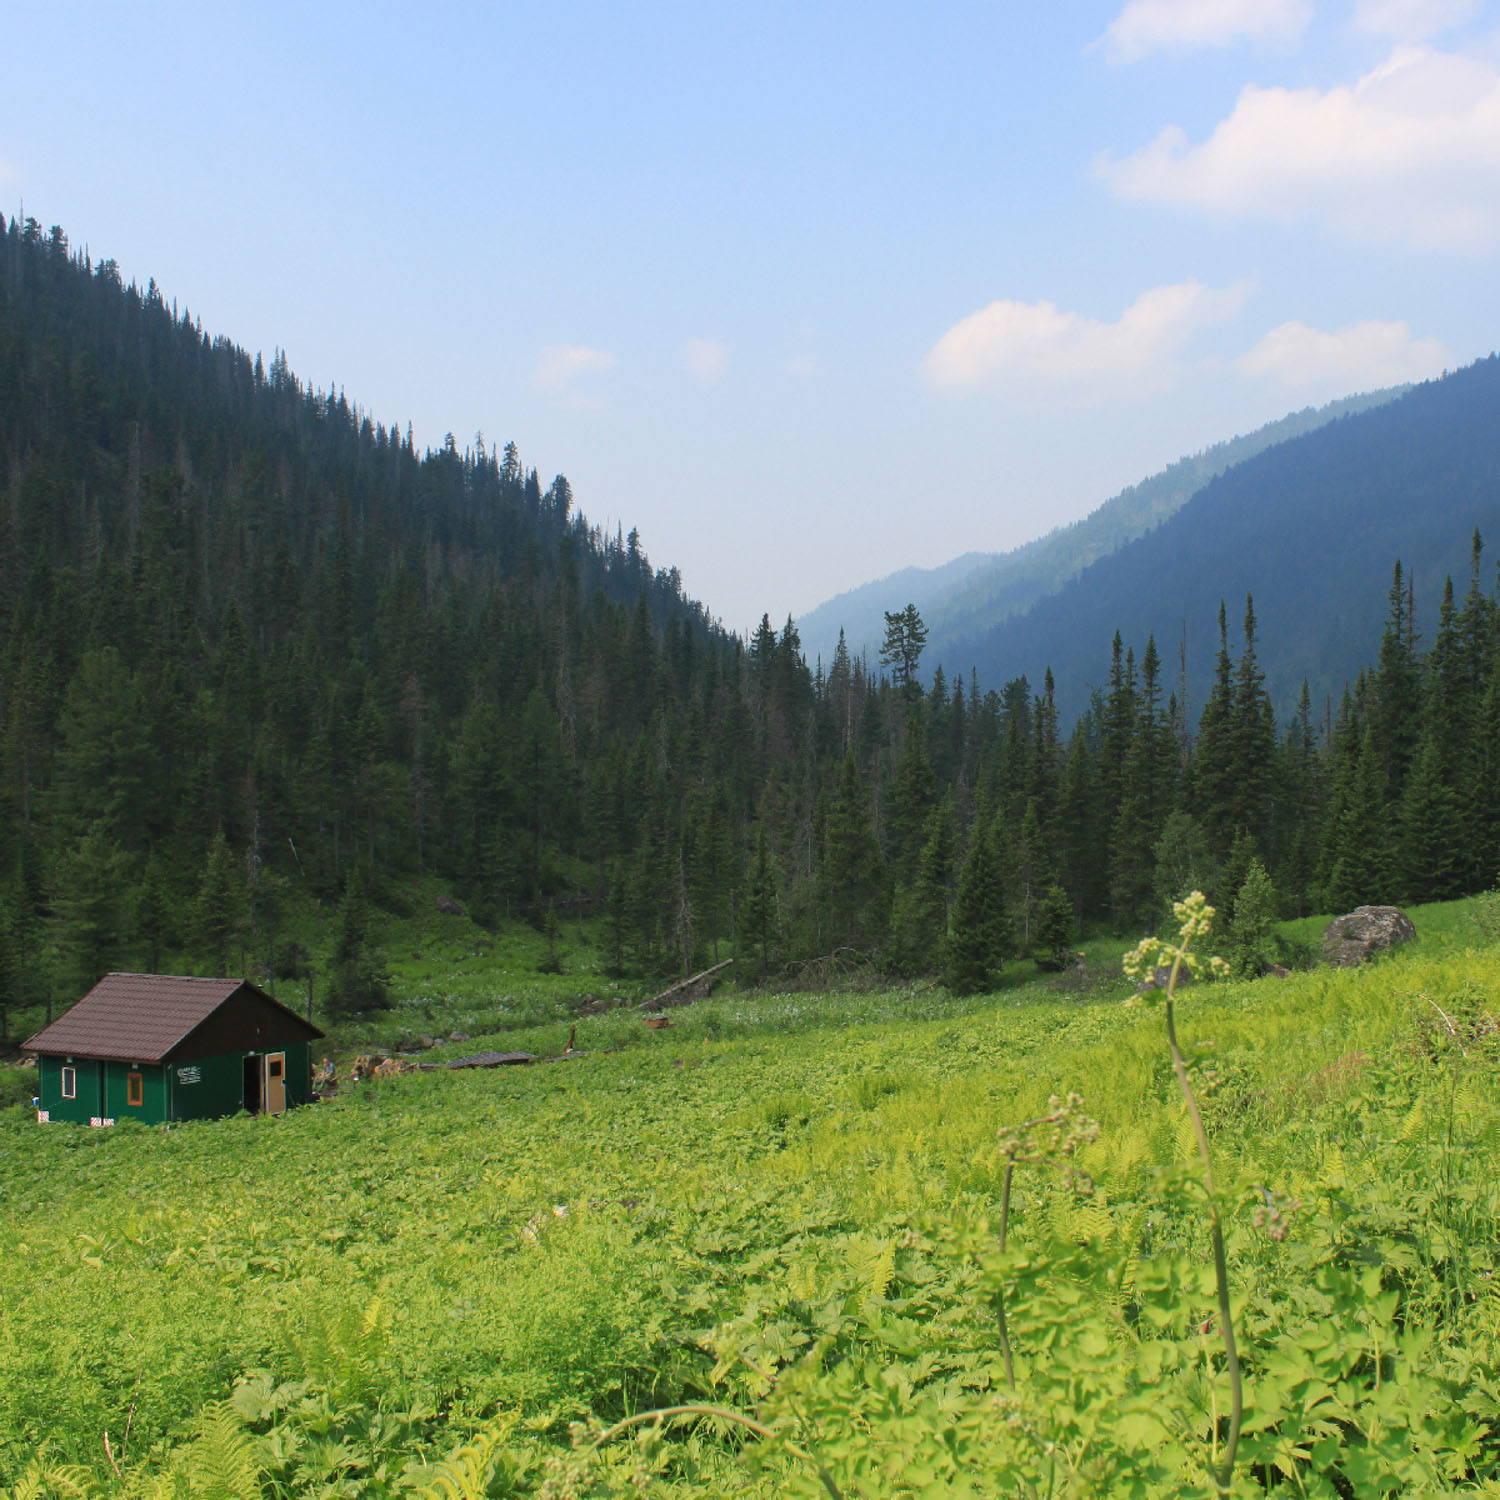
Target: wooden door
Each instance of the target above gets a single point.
(274, 1092)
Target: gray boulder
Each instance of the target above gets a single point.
(1367, 930)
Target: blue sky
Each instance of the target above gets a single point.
(805, 292)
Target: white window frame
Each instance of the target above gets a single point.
(69, 1082)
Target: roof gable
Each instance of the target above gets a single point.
(144, 1017)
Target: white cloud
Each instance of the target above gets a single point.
(1410, 152)
(1359, 357)
(560, 364)
(1034, 343)
(707, 359)
(8, 173)
(1411, 20)
(1146, 26)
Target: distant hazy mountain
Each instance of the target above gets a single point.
(1311, 527)
(962, 599)
(860, 613)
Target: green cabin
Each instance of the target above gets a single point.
(160, 1047)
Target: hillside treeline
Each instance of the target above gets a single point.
(257, 652)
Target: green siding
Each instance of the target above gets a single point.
(89, 1102)
(203, 1088)
(220, 1089)
(152, 1110)
(298, 1073)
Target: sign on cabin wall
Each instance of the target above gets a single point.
(190, 1075)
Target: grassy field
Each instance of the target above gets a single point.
(783, 1212)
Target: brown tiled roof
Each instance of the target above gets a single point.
(134, 1017)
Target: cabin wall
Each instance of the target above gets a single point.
(298, 1073)
(87, 1105)
(205, 1088)
(152, 1110)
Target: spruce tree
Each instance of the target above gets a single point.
(1433, 859)
(357, 978)
(980, 938)
(852, 883)
(1056, 930)
(91, 878)
(919, 923)
(759, 914)
(219, 910)
(1248, 930)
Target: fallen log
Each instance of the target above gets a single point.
(696, 987)
(495, 1060)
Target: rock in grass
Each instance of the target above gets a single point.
(1363, 932)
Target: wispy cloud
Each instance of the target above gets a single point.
(805, 365)
(1360, 356)
(8, 172)
(560, 364)
(1410, 152)
(1411, 20)
(1147, 26)
(706, 359)
(1036, 343)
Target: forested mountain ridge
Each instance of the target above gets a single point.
(963, 599)
(258, 654)
(1307, 526)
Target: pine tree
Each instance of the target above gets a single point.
(1396, 703)
(357, 978)
(1056, 930)
(759, 911)
(1248, 931)
(1302, 795)
(980, 939)
(219, 911)
(1254, 740)
(919, 923)
(1213, 762)
(153, 917)
(911, 796)
(852, 884)
(1183, 861)
(905, 638)
(91, 876)
(1356, 844)
(1432, 861)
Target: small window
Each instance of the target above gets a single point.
(70, 1083)
(273, 1068)
(135, 1090)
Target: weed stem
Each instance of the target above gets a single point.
(1221, 1264)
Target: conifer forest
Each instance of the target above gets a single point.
(257, 650)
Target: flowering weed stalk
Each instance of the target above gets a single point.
(1195, 918)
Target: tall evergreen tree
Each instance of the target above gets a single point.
(980, 939)
(851, 874)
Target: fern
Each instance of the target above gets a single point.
(466, 1473)
(223, 1460)
(874, 1267)
(41, 1480)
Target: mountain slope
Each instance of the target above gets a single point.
(1311, 528)
(962, 599)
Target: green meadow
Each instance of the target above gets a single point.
(759, 1251)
